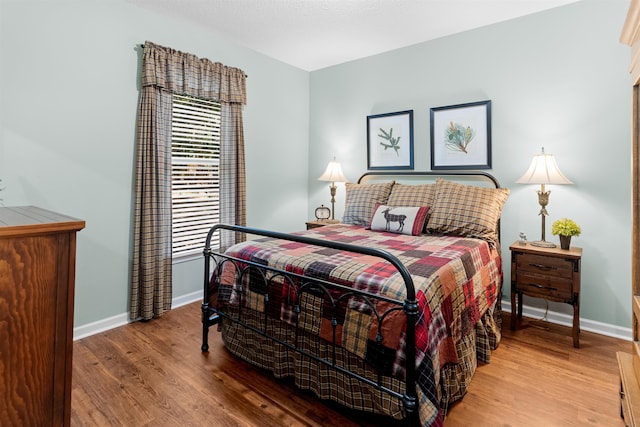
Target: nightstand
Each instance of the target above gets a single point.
(549, 273)
(320, 223)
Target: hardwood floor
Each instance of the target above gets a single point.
(153, 374)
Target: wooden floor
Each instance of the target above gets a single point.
(153, 374)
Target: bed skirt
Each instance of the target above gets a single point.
(331, 384)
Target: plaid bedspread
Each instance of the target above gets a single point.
(456, 280)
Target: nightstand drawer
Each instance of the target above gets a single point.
(531, 264)
(544, 286)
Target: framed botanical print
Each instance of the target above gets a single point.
(461, 136)
(390, 140)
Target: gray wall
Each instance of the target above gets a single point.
(69, 78)
(556, 79)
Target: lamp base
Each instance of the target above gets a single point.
(543, 244)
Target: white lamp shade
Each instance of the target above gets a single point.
(333, 173)
(543, 170)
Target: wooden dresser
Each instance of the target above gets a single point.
(37, 273)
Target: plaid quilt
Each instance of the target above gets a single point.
(456, 280)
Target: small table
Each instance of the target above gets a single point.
(320, 223)
(549, 273)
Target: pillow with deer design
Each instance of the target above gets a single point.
(401, 219)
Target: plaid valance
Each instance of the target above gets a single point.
(185, 73)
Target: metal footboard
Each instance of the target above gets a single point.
(334, 293)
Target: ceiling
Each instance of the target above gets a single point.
(314, 34)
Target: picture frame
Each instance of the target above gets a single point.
(390, 141)
(461, 136)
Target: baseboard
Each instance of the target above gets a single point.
(122, 319)
(186, 299)
(100, 326)
(536, 313)
(566, 320)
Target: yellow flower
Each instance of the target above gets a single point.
(565, 227)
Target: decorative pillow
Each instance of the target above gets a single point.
(402, 219)
(361, 201)
(412, 195)
(467, 211)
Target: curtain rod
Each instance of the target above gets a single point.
(245, 74)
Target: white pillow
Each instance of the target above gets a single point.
(402, 219)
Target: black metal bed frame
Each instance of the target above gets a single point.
(479, 175)
(213, 315)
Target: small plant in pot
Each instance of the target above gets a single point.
(565, 228)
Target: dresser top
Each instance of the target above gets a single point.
(30, 220)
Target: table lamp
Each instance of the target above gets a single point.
(543, 170)
(334, 174)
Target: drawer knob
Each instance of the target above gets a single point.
(543, 267)
(535, 285)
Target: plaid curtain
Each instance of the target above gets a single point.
(232, 174)
(166, 71)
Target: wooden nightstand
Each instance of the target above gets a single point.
(320, 223)
(549, 273)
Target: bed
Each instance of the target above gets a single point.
(387, 312)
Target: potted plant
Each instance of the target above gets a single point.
(565, 228)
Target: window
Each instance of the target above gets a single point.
(195, 179)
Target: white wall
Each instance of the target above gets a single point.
(69, 75)
(556, 79)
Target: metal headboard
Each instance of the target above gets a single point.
(477, 178)
(415, 177)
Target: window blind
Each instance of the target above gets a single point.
(195, 178)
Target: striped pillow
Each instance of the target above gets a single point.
(361, 201)
(467, 211)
